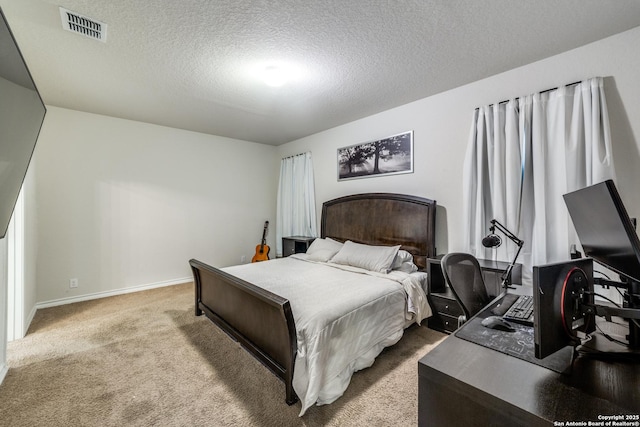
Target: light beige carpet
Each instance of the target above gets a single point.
(144, 359)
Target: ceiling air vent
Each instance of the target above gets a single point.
(80, 24)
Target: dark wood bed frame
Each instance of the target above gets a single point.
(262, 322)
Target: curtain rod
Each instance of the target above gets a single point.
(543, 91)
(296, 155)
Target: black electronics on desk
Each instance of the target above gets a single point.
(564, 291)
(560, 292)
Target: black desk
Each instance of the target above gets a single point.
(462, 383)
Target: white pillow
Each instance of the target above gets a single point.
(372, 258)
(407, 267)
(323, 250)
(404, 262)
(402, 257)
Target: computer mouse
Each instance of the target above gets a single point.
(497, 322)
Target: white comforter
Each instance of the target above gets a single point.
(344, 317)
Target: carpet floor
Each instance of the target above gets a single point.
(144, 359)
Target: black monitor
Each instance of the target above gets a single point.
(560, 293)
(605, 231)
(21, 115)
(608, 236)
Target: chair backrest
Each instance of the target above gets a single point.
(464, 276)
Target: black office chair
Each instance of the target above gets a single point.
(464, 276)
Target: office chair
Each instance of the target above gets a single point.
(464, 276)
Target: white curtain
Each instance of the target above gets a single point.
(523, 155)
(296, 211)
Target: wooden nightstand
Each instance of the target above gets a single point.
(446, 311)
(295, 244)
(444, 305)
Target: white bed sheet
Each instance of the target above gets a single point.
(344, 318)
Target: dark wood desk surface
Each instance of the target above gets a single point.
(462, 383)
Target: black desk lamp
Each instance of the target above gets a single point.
(493, 241)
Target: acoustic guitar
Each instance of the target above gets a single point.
(262, 250)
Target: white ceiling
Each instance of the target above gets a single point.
(193, 64)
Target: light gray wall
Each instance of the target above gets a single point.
(442, 126)
(123, 204)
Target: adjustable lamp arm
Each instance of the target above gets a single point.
(495, 224)
(506, 276)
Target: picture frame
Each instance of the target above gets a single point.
(392, 155)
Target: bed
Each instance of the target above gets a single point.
(260, 304)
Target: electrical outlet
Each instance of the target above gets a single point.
(243, 259)
(73, 283)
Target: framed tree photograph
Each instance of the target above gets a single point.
(388, 156)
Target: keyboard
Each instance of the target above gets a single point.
(521, 311)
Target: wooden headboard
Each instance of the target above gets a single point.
(383, 219)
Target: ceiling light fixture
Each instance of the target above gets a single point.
(274, 76)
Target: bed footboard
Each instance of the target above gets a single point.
(259, 320)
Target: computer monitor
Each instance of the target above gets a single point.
(608, 236)
(604, 228)
(561, 293)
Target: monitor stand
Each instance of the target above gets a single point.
(633, 291)
(625, 332)
(609, 342)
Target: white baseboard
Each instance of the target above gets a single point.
(3, 372)
(26, 323)
(121, 291)
(28, 320)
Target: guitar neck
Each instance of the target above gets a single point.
(264, 236)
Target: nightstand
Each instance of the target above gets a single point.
(444, 305)
(295, 244)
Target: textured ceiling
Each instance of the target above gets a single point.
(193, 64)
